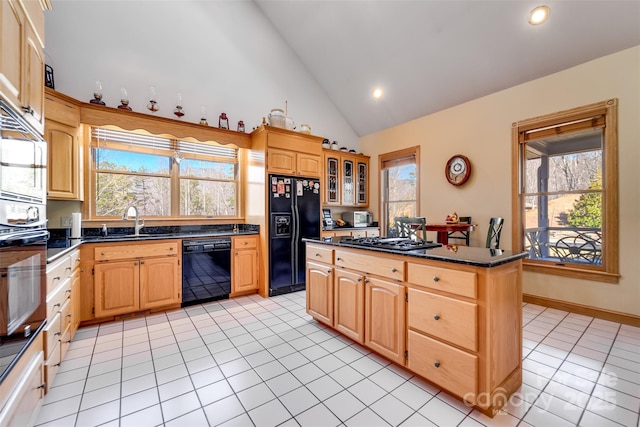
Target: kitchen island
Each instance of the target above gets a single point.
(449, 314)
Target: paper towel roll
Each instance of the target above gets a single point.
(76, 220)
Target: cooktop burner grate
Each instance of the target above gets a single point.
(394, 243)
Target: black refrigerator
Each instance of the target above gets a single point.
(294, 213)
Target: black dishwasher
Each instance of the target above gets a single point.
(206, 270)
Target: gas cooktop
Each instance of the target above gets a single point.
(393, 243)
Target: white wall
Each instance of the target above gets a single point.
(223, 54)
(481, 130)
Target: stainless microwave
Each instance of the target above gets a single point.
(358, 218)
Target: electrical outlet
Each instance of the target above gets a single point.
(65, 221)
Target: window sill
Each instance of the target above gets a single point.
(569, 271)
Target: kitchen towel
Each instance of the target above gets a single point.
(76, 220)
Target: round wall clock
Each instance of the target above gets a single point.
(458, 169)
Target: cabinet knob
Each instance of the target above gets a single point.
(57, 334)
(338, 259)
(28, 109)
(360, 279)
(43, 385)
(56, 278)
(171, 248)
(77, 259)
(68, 268)
(246, 243)
(329, 271)
(436, 317)
(141, 262)
(102, 253)
(366, 280)
(57, 305)
(317, 254)
(68, 291)
(436, 364)
(394, 270)
(436, 279)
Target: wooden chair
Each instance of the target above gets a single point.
(412, 227)
(461, 235)
(493, 235)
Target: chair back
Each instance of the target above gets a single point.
(493, 235)
(412, 227)
(461, 235)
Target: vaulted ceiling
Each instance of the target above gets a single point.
(429, 55)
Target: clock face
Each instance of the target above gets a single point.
(458, 169)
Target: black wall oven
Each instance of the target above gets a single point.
(206, 270)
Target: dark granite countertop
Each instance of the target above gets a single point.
(468, 255)
(60, 244)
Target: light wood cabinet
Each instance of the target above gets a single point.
(364, 232)
(64, 137)
(346, 178)
(291, 153)
(457, 325)
(349, 304)
(320, 292)
(22, 58)
(384, 313)
(244, 265)
(130, 278)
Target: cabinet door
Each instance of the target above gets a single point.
(33, 91)
(308, 165)
(245, 271)
(117, 288)
(320, 292)
(281, 161)
(362, 182)
(63, 175)
(348, 182)
(76, 302)
(160, 282)
(331, 180)
(22, 404)
(384, 315)
(12, 31)
(349, 304)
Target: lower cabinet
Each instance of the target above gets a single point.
(458, 326)
(384, 313)
(127, 286)
(244, 265)
(129, 278)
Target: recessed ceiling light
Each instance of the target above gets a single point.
(539, 15)
(377, 93)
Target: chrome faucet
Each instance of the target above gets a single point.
(139, 222)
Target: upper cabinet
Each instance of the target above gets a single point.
(64, 137)
(288, 152)
(22, 58)
(346, 179)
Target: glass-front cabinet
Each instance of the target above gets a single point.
(346, 179)
(332, 180)
(362, 185)
(348, 182)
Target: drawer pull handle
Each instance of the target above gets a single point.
(246, 243)
(43, 385)
(68, 315)
(102, 253)
(394, 270)
(57, 305)
(68, 291)
(77, 259)
(57, 364)
(436, 279)
(436, 364)
(317, 254)
(56, 278)
(68, 268)
(436, 317)
(57, 334)
(338, 259)
(171, 249)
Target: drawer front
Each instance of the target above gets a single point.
(446, 318)
(116, 252)
(319, 254)
(75, 260)
(51, 335)
(359, 233)
(371, 264)
(58, 272)
(244, 242)
(56, 299)
(446, 366)
(373, 233)
(443, 279)
(65, 314)
(51, 366)
(65, 342)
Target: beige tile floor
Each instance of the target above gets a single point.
(264, 362)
